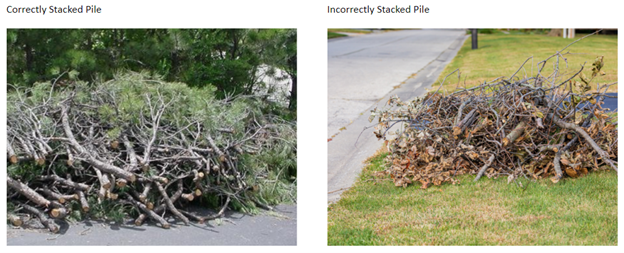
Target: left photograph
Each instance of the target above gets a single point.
(152, 136)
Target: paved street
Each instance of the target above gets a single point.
(366, 70)
(278, 227)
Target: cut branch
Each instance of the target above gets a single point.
(485, 166)
(514, 134)
(27, 192)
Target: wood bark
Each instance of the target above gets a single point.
(170, 205)
(131, 154)
(15, 220)
(61, 198)
(42, 217)
(89, 157)
(485, 166)
(465, 123)
(67, 182)
(592, 143)
(83, 201)
(103, 178)
(27, 192)
(149, 212)
(11, 152)
(514, 134)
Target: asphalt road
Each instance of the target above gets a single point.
(278, 227)
(366, 70)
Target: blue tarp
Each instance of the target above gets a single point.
(610, 103)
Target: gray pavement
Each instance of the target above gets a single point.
(278, 227)
(366, 71)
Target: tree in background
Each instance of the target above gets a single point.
(229, 59)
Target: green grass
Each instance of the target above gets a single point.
(331, 35)
(510, 31)
(346, 30)
(501, 55)
(580, 211)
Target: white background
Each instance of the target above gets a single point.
(312, 20)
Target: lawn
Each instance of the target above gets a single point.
(501, 55)
(331, 35)
(346, 30)
(579, 211)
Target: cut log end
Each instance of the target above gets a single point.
(505, 142)
(52, 227)
(188, 196)
(112, 196)
(139, 220)
(15, 220)
(58, 213)
(121, 183)
(114, 144)
(198, 192)
(13, 159)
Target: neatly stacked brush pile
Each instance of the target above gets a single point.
(534, 127)
(139, 147)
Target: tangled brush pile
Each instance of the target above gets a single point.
(139, 147)
(534, 127)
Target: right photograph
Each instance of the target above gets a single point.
(468, 136)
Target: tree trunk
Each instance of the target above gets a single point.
(29, 57)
